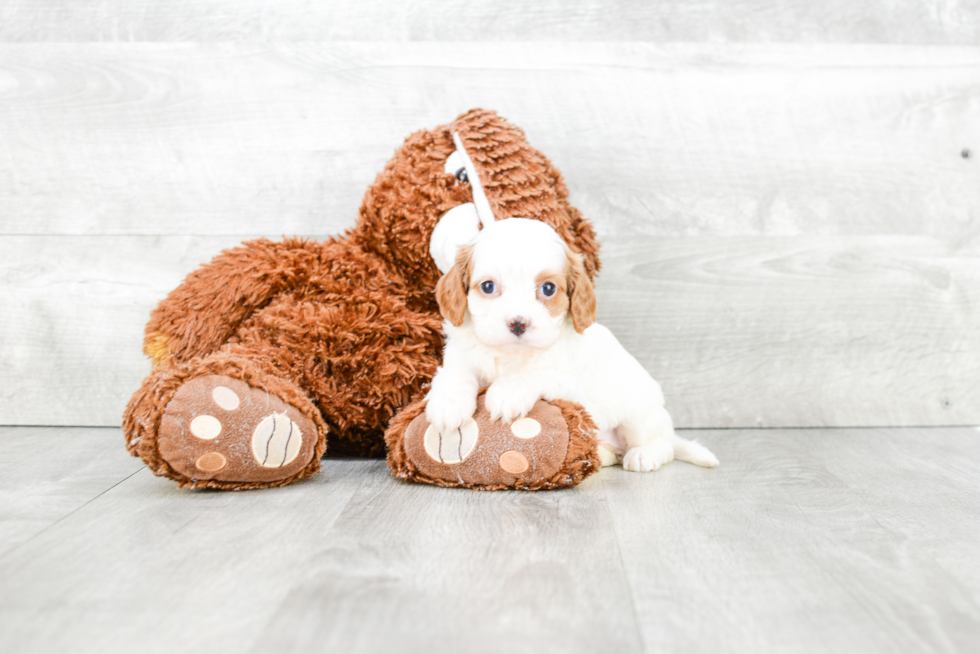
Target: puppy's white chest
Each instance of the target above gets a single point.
(514, 363)
(497, 365)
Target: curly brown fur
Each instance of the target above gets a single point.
(350, 323)
(583, 447)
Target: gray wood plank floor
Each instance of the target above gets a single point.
(802, 541)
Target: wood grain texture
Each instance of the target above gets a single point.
(455, 570)
(47, 474)
(812, 540)
(155, 569)
(872, 21)
(72, 328)
(740, 331)
(801, 331)
(698, 139)
(801, 541)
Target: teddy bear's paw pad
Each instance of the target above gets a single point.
(452, 446)
(276, 441)
(513, 462)
(484, 452)
(218, 427)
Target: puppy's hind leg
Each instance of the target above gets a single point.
(655, 443)
(649, 441)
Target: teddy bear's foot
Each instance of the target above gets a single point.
(552, 447)
(219, 428)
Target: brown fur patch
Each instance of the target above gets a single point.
(558, 303)
(452, 287)
(581, 294)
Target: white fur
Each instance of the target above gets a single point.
(550, 360)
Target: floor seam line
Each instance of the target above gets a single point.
(68, 515)
(622, 565)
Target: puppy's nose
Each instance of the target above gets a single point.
(517, 326)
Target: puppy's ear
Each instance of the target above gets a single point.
(581, 294)
(452, 287)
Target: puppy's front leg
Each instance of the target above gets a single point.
(452, 399)
(512, 396)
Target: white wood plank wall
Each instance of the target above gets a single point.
(789, 195)
(793, 21)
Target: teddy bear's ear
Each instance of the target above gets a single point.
(452, 287)
(581, 294)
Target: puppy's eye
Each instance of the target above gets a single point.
(461, 175)
(488, 287)
(548, 289)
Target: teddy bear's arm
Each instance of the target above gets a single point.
(206, 309)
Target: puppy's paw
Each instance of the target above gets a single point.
(649, 457)
(446, 411)
(509, 400)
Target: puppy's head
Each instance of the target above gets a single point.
(444, 183)
(519, 282)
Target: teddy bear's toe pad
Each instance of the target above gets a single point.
(487, 453)
(217, 427)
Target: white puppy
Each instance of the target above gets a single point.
(520, 317)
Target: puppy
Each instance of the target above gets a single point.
(520, 317)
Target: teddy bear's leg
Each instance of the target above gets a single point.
(553, 447)
(200, 315)
(225, 421)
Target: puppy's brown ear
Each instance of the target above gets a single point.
(452, 287)
(581, 294)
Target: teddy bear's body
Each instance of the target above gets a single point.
(325, 340)
(329, 317)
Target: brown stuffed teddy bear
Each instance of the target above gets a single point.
(272, 348)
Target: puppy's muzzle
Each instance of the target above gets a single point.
(518, 326)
